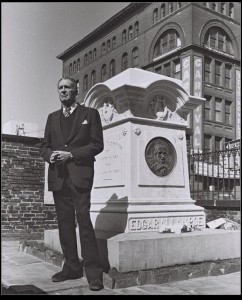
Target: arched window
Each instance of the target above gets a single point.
(103, 73)
(103, 48)
(168, 41)
(78, 65)
(218, 39)
(136, 28)
(124, 61)
(94, 53)
(85, 59)
(70, 69)
(163, 11)
(130, 32)
(78, 87)
(93, 78)
(223, 5)
(112, 68)
(155, 16)
(231, 10)
(74, 67)
(90, 56)
(108, 45)
(170, 7)
(114, 42)
(85, 83)
(124, 37)
(135, 57)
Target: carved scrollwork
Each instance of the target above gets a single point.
(137, 130)
(108, 111)
(159, 108)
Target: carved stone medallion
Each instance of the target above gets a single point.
(160, 156)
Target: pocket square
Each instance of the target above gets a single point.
(85, 122)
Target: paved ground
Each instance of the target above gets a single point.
(25, 274)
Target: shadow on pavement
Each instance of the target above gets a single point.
(22, 290)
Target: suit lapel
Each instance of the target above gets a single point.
(58, 125)
(81, 114)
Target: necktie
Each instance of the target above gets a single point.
(67, 112)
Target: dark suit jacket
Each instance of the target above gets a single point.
(84, 142)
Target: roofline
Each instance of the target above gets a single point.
(102, 28)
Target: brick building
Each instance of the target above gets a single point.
(198, 43)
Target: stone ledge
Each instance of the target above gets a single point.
(115, 280)
(38, 249)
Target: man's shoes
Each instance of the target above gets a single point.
(96, 285)
(66, 275)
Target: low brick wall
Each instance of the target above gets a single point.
(24, 214)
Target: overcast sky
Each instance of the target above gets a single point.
(33, 34)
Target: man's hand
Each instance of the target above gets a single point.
(60, 157)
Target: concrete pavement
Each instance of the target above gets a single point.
(26, 274)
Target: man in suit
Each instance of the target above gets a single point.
(73, 136)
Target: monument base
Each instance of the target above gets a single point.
(132, 259)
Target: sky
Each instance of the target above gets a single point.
(33, 34)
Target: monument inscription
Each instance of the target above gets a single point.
(160, 156)
(110, 165)
(155, 224)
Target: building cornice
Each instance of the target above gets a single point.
(108, 26)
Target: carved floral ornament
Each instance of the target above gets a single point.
(108, 111)
(159, 108)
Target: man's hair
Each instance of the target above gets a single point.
(74, 82)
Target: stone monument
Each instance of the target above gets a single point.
(141, 178)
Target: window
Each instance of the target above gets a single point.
(158, 70)
(168, 41)
(114, 42)
(167, 69)
(124, 37)
(170, 7)
(85, 59)
(70, 69)
(124, 61)
(103, 73)
(78, 87)
(108, 45)
(218, 143)
(218, 39)
(223, 8)
(228, 112)
(135, 57)
(218, 66)
(207, 107)
(207, 70)
(177, 69)
(214, 5)
(93, 78)
(155, 16)
(103, 48)
(94, 53)
(112, 68)
(130, 32)
(163, 11)
(74, 67)
(207, 143)
(90, 56)
(136, 28)
(218, 110)
(85, 83)
(231, 10)
(179, 5)
(78, 65)
(228, 76)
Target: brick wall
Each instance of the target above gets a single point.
(24, 214)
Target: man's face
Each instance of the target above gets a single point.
(67, 93)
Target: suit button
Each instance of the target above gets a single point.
(65, 145)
